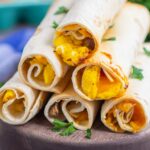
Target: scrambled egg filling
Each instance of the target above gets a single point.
(79, 117)
(136, 121)
(17, 106)
(96, 85)
(47, 73)
(8, 95)
(70, 48)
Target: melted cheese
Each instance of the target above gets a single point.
(47, 73)
(96, 85)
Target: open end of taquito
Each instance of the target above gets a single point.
(131, 112)
(127, 114)
(73, 109)
(74, 43)
(79, 34)
(99, 81)
(19, 103)
(40, 73)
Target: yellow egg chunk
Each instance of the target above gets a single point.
(108, 89)
(70, 55)
(71, 49)
(48, 74)
(8, 95)
(137, 120)
(96, 85)
(79, 117)
(90, 81)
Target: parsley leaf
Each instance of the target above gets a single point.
(111, 26)
(68, 131)
(64, 129)
(59, 125)
(146, 3)
(88, 134)
(109, 39)
(1, 84)
(147, 52)
(54, 24)
(136, 73)
(61, 10)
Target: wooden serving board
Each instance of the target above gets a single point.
(37, 135)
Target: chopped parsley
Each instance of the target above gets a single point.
(88, 134)
(147, 52)
(68, 131)
(64, 128)
(54, 24)
(61, 10)
(136, 73)
(1, 84)
(111, 26)
(109, 39)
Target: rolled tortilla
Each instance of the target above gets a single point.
(40, 67)
(69, 106)
(131, 112)
(105, 75)
(19, 103)
(80, 33)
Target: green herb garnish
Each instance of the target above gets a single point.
(147, 52)
(136, 73)
(54, 25)
(111, 26)
(146, 3)
(61, 10)
(68, 131)
(59, 125)
(88, 134)
(109, 39)
(1, 84)
(64, 128)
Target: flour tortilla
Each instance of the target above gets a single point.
(33, 102)
(116, 57)
(61, 112)
(93, 15)
(138, 91)
(41, 45)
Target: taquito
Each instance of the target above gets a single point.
(69, 106)
(40, 67)
(19, 103)
(131, 112)
(105, 75)
(80, 33)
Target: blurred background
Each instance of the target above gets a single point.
(18, 21)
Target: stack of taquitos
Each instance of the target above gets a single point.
(105, 75)
(102, 62)
(131, 111)
(40, 67)
(113, 62)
